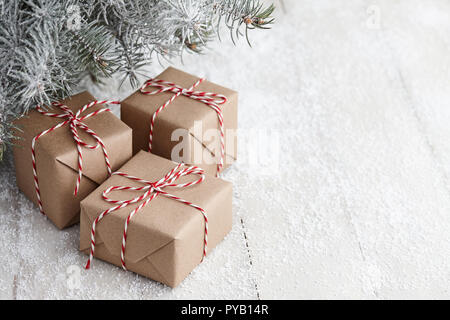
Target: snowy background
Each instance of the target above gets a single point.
(352, 202)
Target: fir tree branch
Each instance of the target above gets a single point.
(42, 58)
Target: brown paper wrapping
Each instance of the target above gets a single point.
(57, 158)
(137, 110)
(165, 238)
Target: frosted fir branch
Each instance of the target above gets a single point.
(250, 14)
(43, 56)
(168, 28)
(6, 128)
(92, 46)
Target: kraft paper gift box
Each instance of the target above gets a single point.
(165, 238)
(199, 144)
(57, 157)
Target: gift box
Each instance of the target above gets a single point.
(65, 151)
(177, 100)
(175, 216)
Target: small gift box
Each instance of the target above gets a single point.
(186, 119)
(156, 218)
(66, 151)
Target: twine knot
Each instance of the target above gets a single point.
(151, 190)
(75, 121)
(212, 100)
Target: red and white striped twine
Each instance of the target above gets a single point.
(75, 121)
(212, 100)
(152, 190)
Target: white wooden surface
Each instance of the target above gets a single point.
(357, 203)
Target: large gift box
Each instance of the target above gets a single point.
(156, 218)
(205, 112)
(61, 151)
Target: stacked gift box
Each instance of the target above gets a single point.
(138, 206)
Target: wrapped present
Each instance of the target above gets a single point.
(206, 113)
(156, 218)
(66, 151)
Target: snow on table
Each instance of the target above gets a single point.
(353, 199)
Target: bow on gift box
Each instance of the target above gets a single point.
(152, 190)
(75, 121)
(212, 100)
